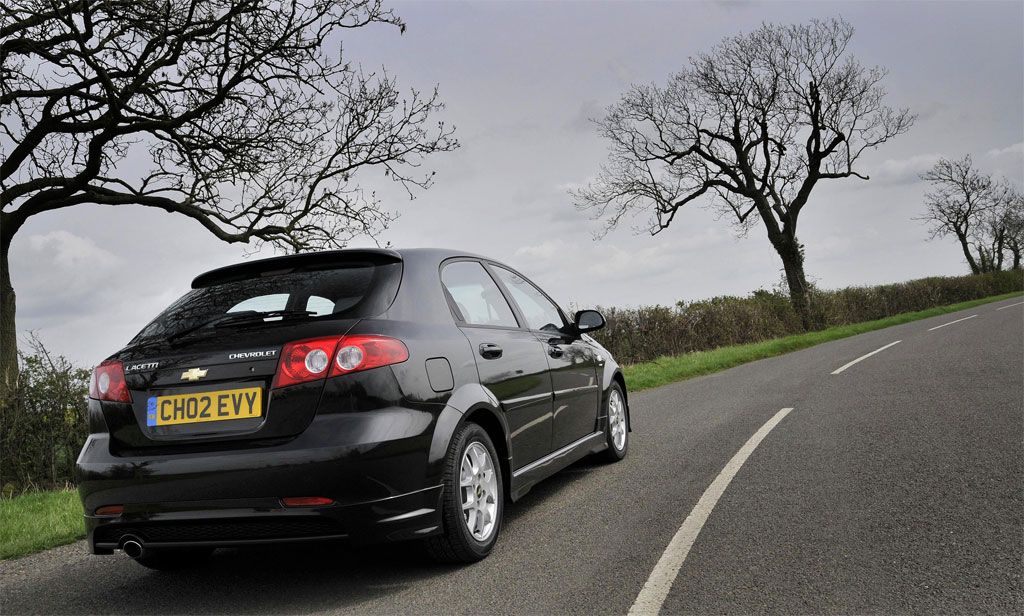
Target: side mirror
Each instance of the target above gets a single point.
(588, 321)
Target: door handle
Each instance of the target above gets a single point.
(489, 350)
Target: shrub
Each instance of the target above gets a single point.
(648, 332)
(43, 423)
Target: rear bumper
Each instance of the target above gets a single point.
(241, 523)
(374, 465)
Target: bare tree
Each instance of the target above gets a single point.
(990, 236)
(963, 202)
(235, 111)
(1010, 217)
(749, 128)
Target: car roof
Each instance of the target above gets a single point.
(436, 255)
(248, 269)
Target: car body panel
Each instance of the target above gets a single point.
(576, 387)
(519, 380)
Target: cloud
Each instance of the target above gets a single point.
(62, 277)
(568, 187)
(929, 110)
(903, 170)
(565, 268)
(69, 251)
(583, 120)
(735, 5)
(842, 246)
(624, 73)
(1015, 149)
(605, 262)
(544, 251)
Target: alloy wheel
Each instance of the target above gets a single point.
(479, 487)
(617, 419)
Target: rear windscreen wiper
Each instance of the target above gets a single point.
(241, 317)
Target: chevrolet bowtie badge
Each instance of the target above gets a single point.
(193, 374)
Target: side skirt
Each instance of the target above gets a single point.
(526, 477)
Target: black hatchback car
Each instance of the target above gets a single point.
(372, 395)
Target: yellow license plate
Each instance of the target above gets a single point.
(206, 406)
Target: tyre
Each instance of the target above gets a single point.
(174, 559)
(472, 502)
(617, 430)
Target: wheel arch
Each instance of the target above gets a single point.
(495, 428)
(618, 377)
(476, 404)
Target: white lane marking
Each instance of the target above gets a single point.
(656, 589)
(1010, 306)
(931, 329)
(863, 357)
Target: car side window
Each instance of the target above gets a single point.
(477, 297)
(537, 309)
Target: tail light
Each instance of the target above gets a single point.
(317, 358)
(357, 353)
(108, 383)
(305, 360)
(110, 510)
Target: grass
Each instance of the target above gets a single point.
(39, 520)
(666, 370)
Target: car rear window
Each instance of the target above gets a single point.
(356, 290)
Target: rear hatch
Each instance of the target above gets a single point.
(201, 375)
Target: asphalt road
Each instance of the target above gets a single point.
(896, 486)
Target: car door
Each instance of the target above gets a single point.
(572, 362)
(509, 358)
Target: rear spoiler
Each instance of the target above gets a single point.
(297, 262)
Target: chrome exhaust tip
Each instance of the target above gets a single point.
(132, 547)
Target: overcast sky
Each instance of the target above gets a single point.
(520, 81)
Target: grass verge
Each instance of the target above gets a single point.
(666, 370)
(39, 520)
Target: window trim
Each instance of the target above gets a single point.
(508, 295)
(457, 314)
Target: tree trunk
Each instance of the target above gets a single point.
(792, 256)
(983, 262)
(967, 254)
(8, 335)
